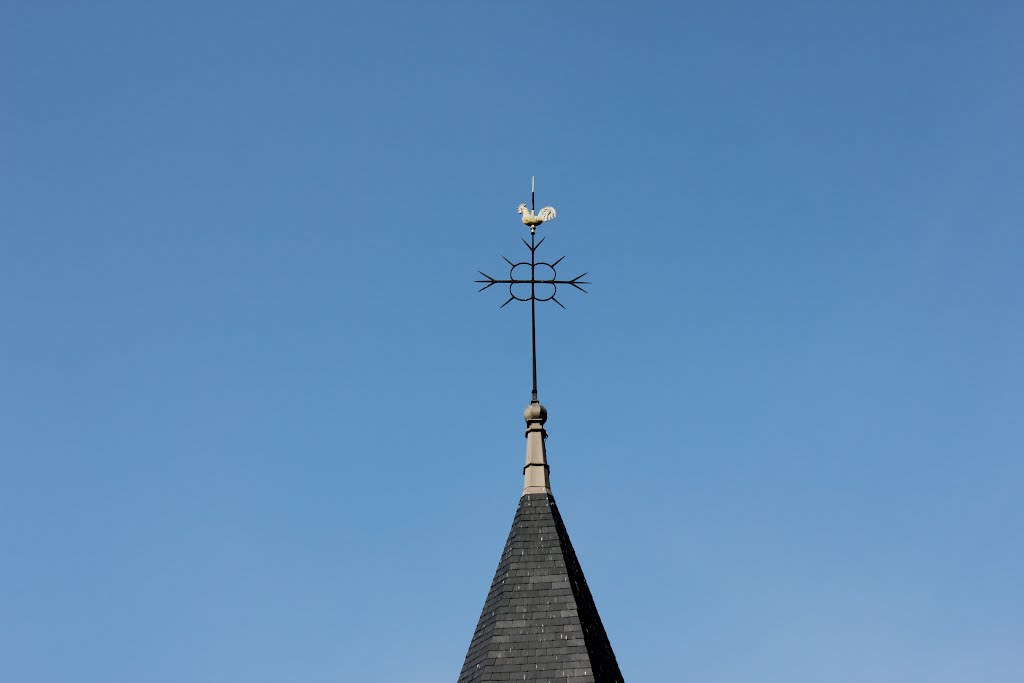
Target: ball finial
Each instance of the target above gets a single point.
(535, 412)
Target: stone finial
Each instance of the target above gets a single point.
(536, 472)
(535, 412)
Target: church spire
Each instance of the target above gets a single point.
(539, 621)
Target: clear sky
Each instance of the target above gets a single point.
(256, 424)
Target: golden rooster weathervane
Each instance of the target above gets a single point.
(533, 280)
(531, 219)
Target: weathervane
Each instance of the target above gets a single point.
(548, 285)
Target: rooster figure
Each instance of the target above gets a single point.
(532, 219)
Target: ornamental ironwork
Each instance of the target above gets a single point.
(533, 281)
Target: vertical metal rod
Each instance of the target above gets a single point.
(533, 313)
(533, 297)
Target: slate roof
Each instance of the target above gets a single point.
(539, 621)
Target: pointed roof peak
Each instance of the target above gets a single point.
(539, 622)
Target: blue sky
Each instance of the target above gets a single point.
(257, 425)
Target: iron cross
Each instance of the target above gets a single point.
(547, 281)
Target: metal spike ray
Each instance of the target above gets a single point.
(533, 281)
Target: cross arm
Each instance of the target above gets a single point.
(575, 282)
